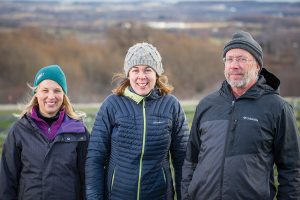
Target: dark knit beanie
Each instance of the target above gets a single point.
(143, 54)
(54, 73)
(243, 40)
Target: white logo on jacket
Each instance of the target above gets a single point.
(250, 118)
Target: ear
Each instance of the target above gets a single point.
(35, 96)
(257, 68)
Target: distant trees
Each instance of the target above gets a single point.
(281, 55)
(193, 64)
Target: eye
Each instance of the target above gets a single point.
(243, 59)
(57, 91)
(148, 70)
(229, 59)
(134, 70)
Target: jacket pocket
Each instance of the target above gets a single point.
(113, 179)
(21, 192)
(163, 181)
(164, 175)
(248, 137)
(69, 137)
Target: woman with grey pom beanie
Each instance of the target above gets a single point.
(138, 130)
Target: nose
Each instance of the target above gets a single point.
(235, 60)
(51, 95)
(235, 63)
(141, 74)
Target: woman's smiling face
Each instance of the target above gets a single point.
(50, 96)
(142, 79)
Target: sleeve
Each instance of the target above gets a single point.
(287, 155)
(179, 140)
(98, 154)
(82, 151)
(10, 167)
(191, 158)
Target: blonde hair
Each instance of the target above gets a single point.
(123, 82)
(69, 110)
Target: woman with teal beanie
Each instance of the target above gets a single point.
(44, 153)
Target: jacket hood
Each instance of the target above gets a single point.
(270, 79)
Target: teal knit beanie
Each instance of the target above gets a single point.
(51, 72)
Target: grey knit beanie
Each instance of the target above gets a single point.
(143, 54)
(243, 40)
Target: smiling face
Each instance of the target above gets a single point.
(241, 69)
(142, 79)
(50, 96)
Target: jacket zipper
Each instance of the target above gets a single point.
(143, 150)
(225, 148)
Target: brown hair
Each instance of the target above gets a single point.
(123, 82)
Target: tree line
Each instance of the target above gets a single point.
(193, 64)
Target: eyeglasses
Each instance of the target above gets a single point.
(240, 60)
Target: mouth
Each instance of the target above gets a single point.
(142, 84)
(236, 74)
(50, 103)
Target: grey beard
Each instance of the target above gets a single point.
(244, 82)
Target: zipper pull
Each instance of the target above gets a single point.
(232, 107)
(232, 103)
(234, 124)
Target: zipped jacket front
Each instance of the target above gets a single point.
(34, 168)
(234, 144)
(128, 155)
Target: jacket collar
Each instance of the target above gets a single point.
(68, 124)
(135, 97)
(130, 93)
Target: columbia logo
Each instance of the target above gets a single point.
(158, 122)
(250, 118)
(39, 76)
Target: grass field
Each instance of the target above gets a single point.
(7, 118)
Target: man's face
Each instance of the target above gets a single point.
(241, 69)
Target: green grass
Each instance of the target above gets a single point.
(189, 112)
(7, 119)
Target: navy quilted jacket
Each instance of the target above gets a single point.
(131, 141)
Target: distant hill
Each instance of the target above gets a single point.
(97, 16)
(89, 40)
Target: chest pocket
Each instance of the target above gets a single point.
(73, 138)
(159, 132)
(162, 125)
(246, 136)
